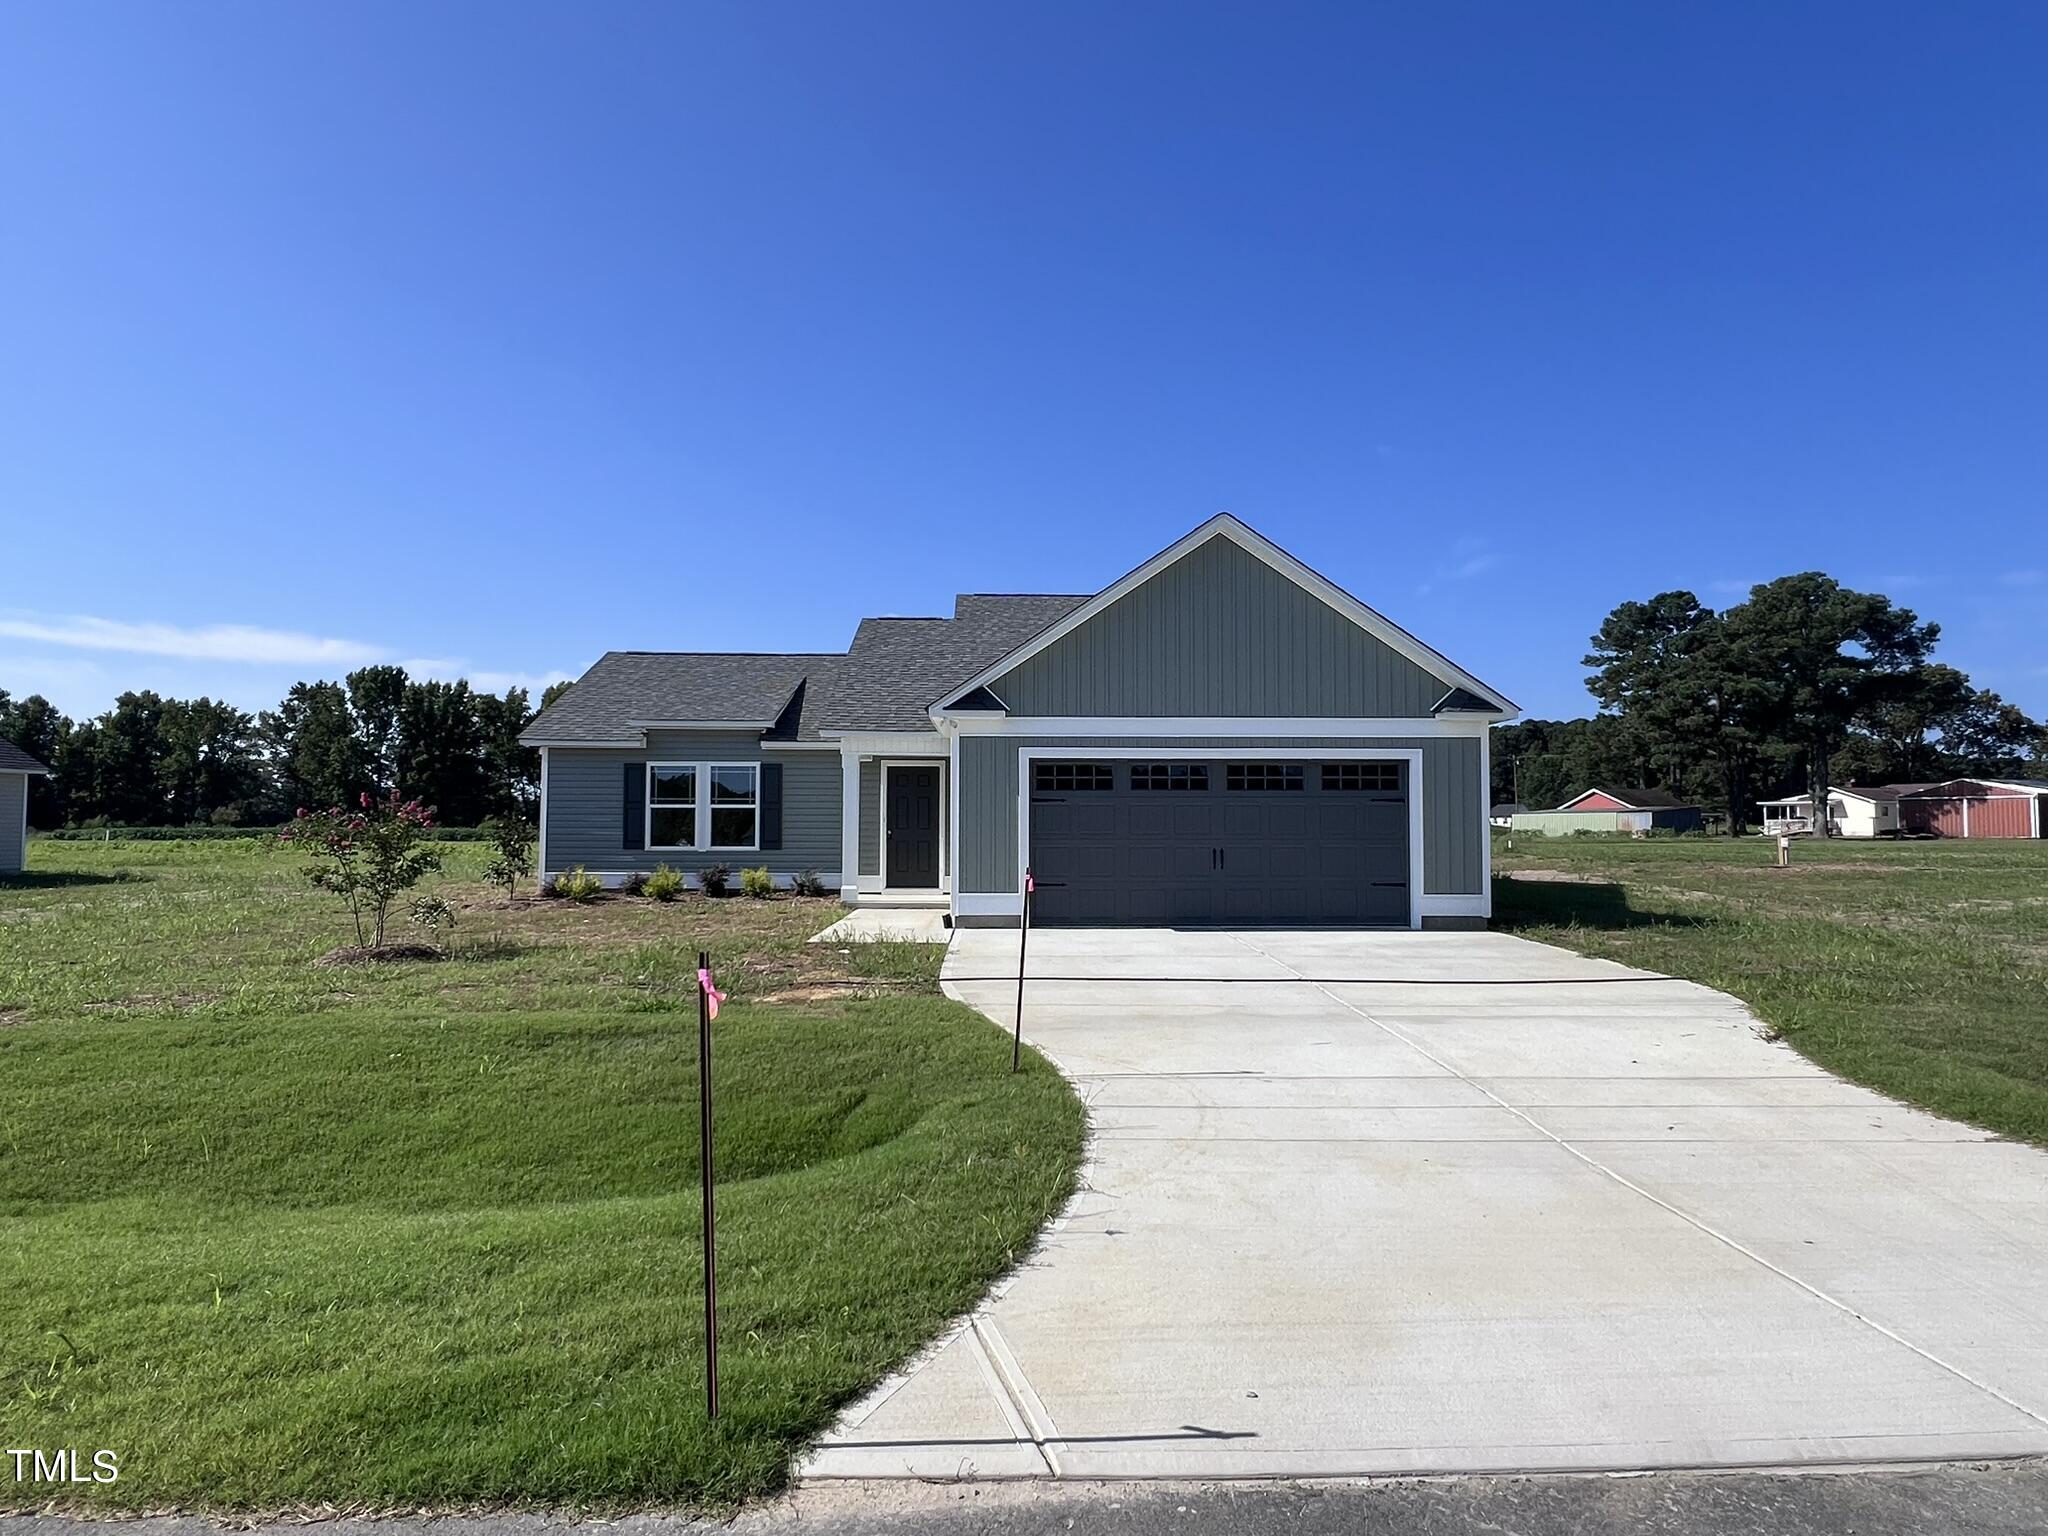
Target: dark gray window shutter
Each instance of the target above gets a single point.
(635, 825)
(771, 805)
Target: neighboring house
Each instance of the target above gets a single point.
(1222, 735)
(1613, 810)
(1870, 812)
(16, 769)
(1502, 815)
(1975, 808)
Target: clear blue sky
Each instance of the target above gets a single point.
(719, 326)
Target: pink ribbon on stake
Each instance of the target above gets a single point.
(712, 996)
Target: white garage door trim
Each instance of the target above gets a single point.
(1082, 751)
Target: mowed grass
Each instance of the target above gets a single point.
(1918, 968)
(427, 1234)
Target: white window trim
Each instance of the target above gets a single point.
(696, 805)
(704, 795)
(702, 805)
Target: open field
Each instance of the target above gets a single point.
(426, 1234)
(1918, 968)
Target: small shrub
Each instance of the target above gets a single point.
(548, 889)
(578, 885)
(664, 884)
(714, 879)
(634, 883)
(757, 883)
(808, 882)
(430, 914)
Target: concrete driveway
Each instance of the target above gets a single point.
(1401, 1203)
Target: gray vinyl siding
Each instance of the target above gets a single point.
(13, 799)
(1454, 826)
(586, 805)
(870, 816)
(1219, 632)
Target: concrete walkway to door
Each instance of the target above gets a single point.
(1382, 1203)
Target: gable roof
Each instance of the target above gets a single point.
(1950, 787)
(14, 760)
(1633, 799)
(1223, 525)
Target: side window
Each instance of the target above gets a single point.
(671, 805)
(1065, 778)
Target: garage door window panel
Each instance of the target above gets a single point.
(1259, 777)
(1073, 778)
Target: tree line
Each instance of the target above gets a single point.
(154, 762)
(1805, 685)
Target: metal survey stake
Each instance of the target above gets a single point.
(1023, 939)
(708, 999)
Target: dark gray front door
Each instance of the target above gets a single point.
(1228, 840)
(911, 859)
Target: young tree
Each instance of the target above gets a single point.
(512, 851)
(1821, 656)
(368, 856)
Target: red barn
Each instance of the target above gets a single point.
(1975, 808)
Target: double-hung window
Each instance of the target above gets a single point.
(735, 806)
(704, 806)
(671, 805)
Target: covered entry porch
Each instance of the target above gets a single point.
(895, 811)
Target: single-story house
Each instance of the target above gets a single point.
(1975, 808)
(1612, 810)
(1872, 812)
(1503, 815)
(1220, 736)
(16, 769)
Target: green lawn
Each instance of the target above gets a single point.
(426, 1234)
(1919, 968)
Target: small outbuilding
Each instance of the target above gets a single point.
(1613, 810)
(16, 769)
(1976, 808)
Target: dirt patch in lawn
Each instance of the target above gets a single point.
(377, 954)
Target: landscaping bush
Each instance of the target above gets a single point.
(808, 882)
(757, 883)
(714, 880)
(634, 883)
(664, 884)
(578, 885)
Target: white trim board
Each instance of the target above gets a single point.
(1256, 544)
(1248, 726)
(1412, 756)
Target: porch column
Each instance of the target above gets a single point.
(849, 826)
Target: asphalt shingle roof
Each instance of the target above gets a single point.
(887, 680)
(14, 760)
(625, 686)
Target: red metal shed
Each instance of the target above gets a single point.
(1975, 808)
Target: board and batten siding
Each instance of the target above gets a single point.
(1219, 632)
(586, 806)
(871, 816)
(1454, 825)
(13, 836)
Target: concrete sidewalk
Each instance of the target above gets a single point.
(1366, 1204)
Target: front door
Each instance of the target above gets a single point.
(911, 859)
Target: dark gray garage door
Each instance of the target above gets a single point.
(1229, 840)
